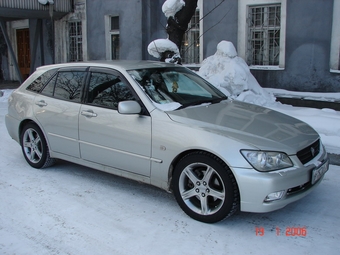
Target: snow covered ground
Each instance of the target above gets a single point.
(69, 209)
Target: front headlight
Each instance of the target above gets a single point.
(266, 161)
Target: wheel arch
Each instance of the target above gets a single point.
(193, 157)
(175, 162)
(187, 152)
(44, 159)
(24, 122)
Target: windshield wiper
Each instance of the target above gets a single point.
(206, 101)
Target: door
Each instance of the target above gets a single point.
(23, 48)
(107, 137)
(57, 110)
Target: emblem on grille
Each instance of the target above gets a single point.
(312, 151)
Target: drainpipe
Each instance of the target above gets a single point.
(51, 12)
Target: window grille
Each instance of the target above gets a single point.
(114, 23)
(114, 35)
(264, 35)
(75, 41)
(190, 49)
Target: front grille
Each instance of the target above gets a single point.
(308, 153)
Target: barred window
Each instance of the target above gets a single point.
(264, 24)
(75, 52)
(114, 34)
(190, 49)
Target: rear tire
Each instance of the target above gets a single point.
(34, 146)
(205, 188)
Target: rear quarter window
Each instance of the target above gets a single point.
(39, 83)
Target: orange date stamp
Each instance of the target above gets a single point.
(288, 231)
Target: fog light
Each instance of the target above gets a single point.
(274, 196)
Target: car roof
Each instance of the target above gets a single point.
(116, 64)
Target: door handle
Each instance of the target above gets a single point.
(41, 103)
(88, 113)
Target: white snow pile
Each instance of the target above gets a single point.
(231, 74)
(171, 7)
(4, 95)
(159, 46)
(44, 2)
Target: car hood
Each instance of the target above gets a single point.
(259, 127)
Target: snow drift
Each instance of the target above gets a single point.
(231, 74)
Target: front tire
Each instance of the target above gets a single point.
(34, 146)
(205, 187)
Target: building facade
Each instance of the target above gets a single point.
(288, 44)
(27, 35)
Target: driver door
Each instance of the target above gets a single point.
(108, 137)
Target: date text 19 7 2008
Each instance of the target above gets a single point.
(289, 231)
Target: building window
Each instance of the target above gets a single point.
(264, 35)
(114, 37)
(190, 50)
(75, 52)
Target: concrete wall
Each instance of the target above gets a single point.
(308, 37)
(141, 21)
(154, 24)
(308, 42)
(219, 24)
(130, 22)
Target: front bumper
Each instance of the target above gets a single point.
(295, 183)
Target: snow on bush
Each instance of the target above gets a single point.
(231, 74)
(157, 47)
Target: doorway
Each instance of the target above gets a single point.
(23, 49)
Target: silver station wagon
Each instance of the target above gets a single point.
(164, 125)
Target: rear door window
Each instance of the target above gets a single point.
(69, 85)
(66, 85)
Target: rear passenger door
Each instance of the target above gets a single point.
(57, 110)
(108, 137)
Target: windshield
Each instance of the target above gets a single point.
(176, 87)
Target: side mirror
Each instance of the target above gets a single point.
(129, 107)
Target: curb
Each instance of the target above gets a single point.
(334, 159)
(301, 102)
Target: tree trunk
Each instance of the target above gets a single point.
(178, 24)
